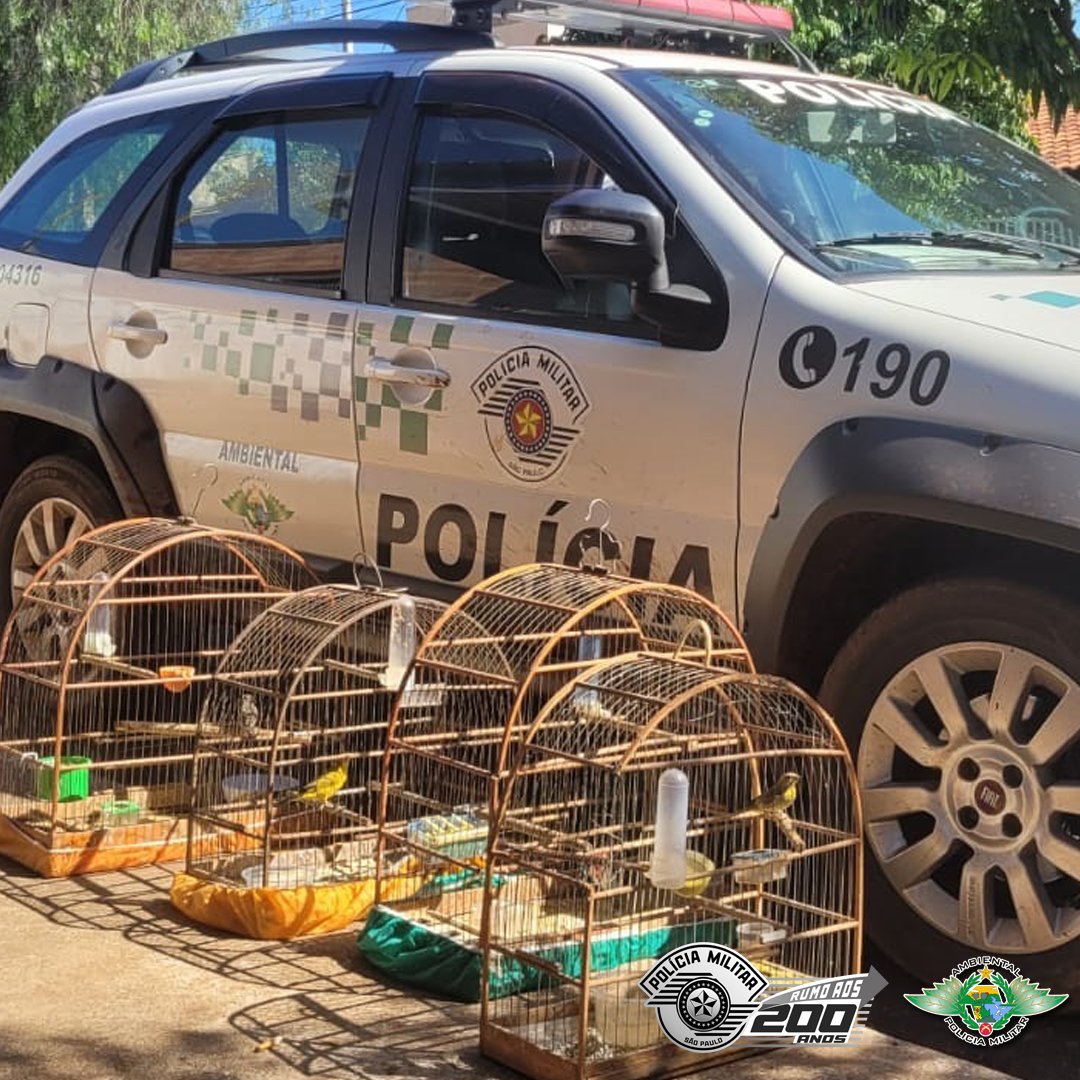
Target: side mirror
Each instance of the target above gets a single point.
(606, 235)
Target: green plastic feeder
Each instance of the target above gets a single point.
(74, 778)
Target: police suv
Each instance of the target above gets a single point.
(814, 341)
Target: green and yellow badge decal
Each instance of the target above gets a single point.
(258, 507)
(982, 1005)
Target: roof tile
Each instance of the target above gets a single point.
(1062, 147)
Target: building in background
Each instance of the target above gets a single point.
(1061, 147)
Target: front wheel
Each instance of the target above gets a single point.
(52, 503)
(960, 701)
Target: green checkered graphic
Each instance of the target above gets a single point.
(278, 357)
(377, 405)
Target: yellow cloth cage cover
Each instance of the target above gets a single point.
(277, 914)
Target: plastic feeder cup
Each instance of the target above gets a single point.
(74, 782)
(177, 677)
(699, 872)
(120, 812)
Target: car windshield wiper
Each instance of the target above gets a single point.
(966, 239)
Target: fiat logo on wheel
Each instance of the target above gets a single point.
(990, 797)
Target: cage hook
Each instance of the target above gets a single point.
(212, 471)
(602, 531)
(706, 633)
(360, 561)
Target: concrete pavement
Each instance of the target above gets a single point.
(100, 979)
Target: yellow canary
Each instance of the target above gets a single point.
(323, 788)
(774, 801)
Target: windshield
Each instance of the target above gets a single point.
(874, 179)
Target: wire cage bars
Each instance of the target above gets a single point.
(487, 667)
(289, 757)
(103, 666)
(597, 868)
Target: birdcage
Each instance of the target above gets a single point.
(288, 762)
(689, 806)
(486, 669)
(103, 666)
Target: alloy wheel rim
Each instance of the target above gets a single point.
(48, 527)
(969, 767)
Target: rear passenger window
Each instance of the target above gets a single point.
(270, 203)
(479, 189)
(62, 212)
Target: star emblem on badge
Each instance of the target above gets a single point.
(529, 420)
(704, 1005)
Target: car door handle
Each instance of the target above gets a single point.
(384, 370)
(141, 335)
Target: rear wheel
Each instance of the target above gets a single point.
(53, 502)
(960, 701)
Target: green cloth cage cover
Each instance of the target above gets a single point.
(425, 958)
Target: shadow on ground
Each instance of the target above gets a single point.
(330, 1017)
(51, 1057)
(135, 903)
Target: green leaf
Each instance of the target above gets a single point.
(236, 502)
(1031, 999)
(277, 510)
(942, 999)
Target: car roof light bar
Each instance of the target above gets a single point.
(736, 16)
(243, 48)
(689, 19)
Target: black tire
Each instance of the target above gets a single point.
(53, 477)
(927, 618)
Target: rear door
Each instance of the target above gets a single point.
(541, 397)
(239, 332)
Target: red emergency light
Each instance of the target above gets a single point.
(701, 14)
(742, 17)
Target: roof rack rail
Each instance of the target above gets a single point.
(401, 36)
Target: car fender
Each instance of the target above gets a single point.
(1014, 488)
(107, 413)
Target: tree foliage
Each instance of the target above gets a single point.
(989, 59)
(55, 54)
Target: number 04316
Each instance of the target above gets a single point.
(20, 274)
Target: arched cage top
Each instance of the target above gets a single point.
(651, 803)
(104, 665)
(292, 737)
(510, 642)
(141, 563)
(506, 625)
(314, 648)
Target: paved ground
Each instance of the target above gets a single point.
(101, 980)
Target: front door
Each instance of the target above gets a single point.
(539, 398)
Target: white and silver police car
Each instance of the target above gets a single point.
(817, 342)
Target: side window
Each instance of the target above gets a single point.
(61, 211)
(479, 188)
(270, 203)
